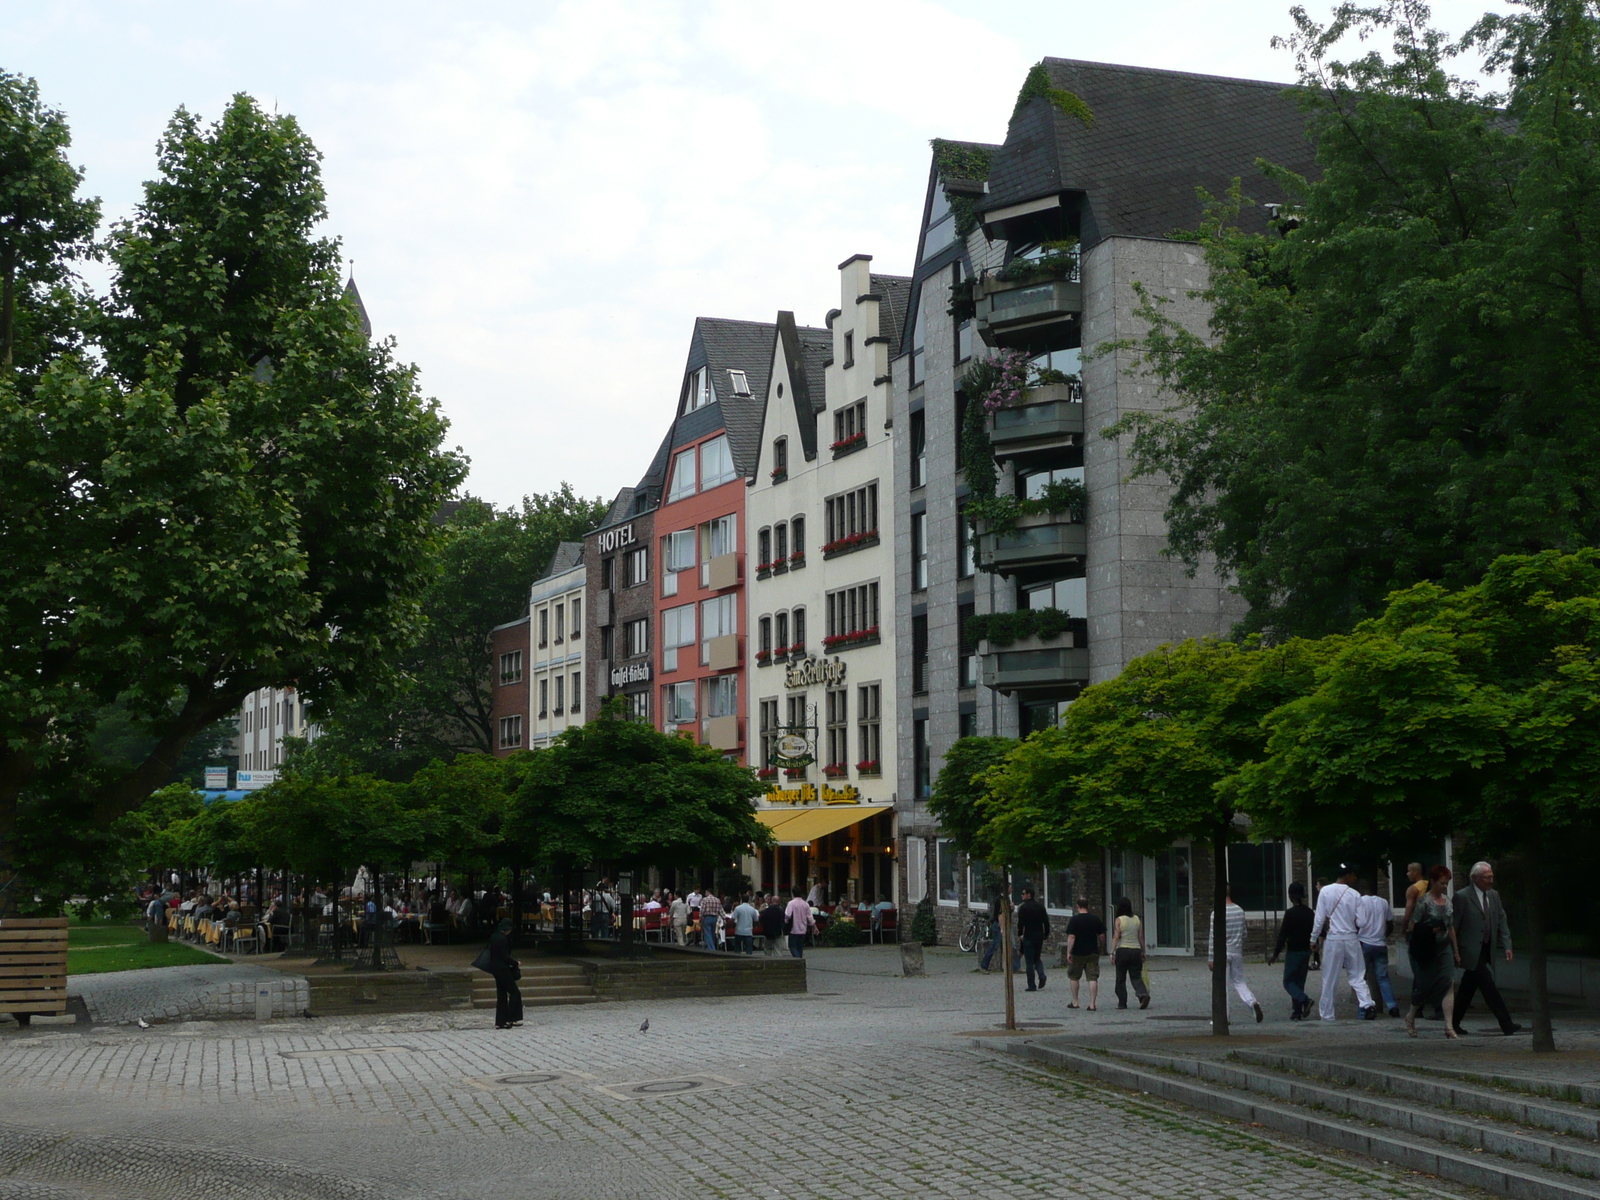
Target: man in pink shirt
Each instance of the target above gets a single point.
(797, 920)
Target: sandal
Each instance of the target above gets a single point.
(1072, 1006)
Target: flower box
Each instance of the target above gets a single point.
(850, 542)
(847, 445)
(767, 773)
(763, 658)
(869, 766)
(848, 641)
(797, 560)
(779, 475)
(836, 771)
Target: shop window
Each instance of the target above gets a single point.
(949, 877)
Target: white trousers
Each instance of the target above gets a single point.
(1342, 955)
(1236, 978)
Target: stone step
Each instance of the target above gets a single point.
(1573, 1092)
(1398, 1081)
(1226, 1091)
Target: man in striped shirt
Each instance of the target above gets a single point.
(1235, 948)
(710, 917)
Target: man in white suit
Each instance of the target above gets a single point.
(1338, 915)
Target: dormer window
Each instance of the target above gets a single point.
(698, 394)
(740, 382)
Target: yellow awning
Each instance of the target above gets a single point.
(802, 826)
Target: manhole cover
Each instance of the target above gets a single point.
(643, 1089)
(528, 1077)
(353, 1052)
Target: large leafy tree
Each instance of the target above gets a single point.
(1475, 710)
(1399, 384)
(1141, 759)
(959, 792)
(240, 495)
(442, 704)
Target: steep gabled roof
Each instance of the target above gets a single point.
(896, 293)
(726, 345)
(806, 351)
(567, 556)
(1155, 137)
(353, 294)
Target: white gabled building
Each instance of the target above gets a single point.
(820, 654)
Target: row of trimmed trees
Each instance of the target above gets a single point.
(1473, 711)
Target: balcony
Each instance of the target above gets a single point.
(722, 572)
(1045, 539)
(1035, 664)
(724, 653)
(1052, 419)
(1026, 316)
(723, 733)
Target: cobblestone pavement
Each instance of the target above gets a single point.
(870, 1085)
(159, 993)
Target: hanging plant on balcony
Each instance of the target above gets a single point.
(1059, 261)
(1000, 514)
(1002, 629)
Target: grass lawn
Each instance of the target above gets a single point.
(98, 948)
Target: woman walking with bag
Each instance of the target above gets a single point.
(506, 971)
(1431, 943)
(1127, 952)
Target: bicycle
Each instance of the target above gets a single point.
(975, 934)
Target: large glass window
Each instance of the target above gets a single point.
(1033, 483)
(1069, 595)
(677, 629)
(682, 476)
(677, 554)
(1256, 874)
(717, 538)
(698, 392)
(717, 619)
(949, 877)
(677, 703)
(722, 696)
(716, 462)
(869, 728)
(941, 223)
(1060, 885)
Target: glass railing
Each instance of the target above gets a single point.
(1021, 418)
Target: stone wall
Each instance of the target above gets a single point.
(390, 992)
(676, 973)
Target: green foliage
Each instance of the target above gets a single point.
(616, 790)
(1059, 261)
(961, 160)
(960, 791)
(1003, 628)
(842, 931)
(486, 561)
(999, 514)
(732, 882)
(924, 927)
(1039, 86)
(1402, 387)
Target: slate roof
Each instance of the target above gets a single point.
(896, 293)
(1156, 136)
(567, 556)
(727, 345)
(353, 293)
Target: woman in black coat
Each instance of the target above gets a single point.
(504, 968)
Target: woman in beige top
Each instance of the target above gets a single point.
(1127, 952)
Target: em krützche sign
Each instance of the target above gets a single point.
(811, 670)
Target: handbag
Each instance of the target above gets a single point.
(516, 972)
(482, 961)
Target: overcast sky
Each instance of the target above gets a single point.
(540, 197)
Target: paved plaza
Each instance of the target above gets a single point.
(870, 1085)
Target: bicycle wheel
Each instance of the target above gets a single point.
(969, 939)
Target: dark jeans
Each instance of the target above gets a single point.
(994, 948)
(1295, 965)
(1032, 947)
(797, 945)
(507, 998)
(1130, 965)
(1378, 963)
(747, 942)
(1480, 978)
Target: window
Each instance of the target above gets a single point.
(722, 696)
(960, 424)
(740, 382)
(799, 617)
(639, 705)
(851, 517)
(797, 537)
(967, 724)
(919, 448)
(921, 760)
(780, 542)
(919, 654)
(716, 462)
(637, 634)
(511, 667)
(782, 620)
(1069, 595)
(764, 549)
(780, 456)
(963, 342)
(697, 392)
(677, 703)
(850, 349)
(966, 550)
(717, 538)
(919, 551)
(577, 618)
(606, 567)
(677, 629)
(918, 365)
(799, 719)
(544, 697)
(836, 701)
(605, 642)
(1068, 362)
(577, 692)
(677, 554)
(852, 616)
(717, 619)
(869, 726)
(769, 731)
(682, 476)
(941, 223)
(635, 567)
(1032, 484)
(850, 425)
(966, 652)
(561, 622)
(949, 877)
(1035, 715)
(544, 627)
(559, 706)
(511, 731)
(1060, 888)
(764, 641)
(1256, 874)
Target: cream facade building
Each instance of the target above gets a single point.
(556, 639)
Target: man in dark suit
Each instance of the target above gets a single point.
(1483, 935)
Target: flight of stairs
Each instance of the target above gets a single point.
(542, 983)
(1507, 1135)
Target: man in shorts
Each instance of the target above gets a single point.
(1086, 942)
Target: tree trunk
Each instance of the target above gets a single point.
(1219, 931)
(1004, 900)
(1544, 1041)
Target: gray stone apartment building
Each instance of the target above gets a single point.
(1121, 184)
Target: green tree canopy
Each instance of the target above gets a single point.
(960, 790)
(1476, 711)
(1400, 384)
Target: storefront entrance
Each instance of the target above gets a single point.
(1159, 887)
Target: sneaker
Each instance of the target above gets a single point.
(1370, 1013)
(1260, 1016)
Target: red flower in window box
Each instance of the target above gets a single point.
(850, 541)
(868, 766)
(836, 770)
(854, 638)
(767, 773)
(798, 558)
(855, 439)
(763, 657)
(779, 474)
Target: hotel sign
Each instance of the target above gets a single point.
(809, 671)
(614, 539)
(637, 673)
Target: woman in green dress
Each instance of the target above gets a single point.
(1431, 942)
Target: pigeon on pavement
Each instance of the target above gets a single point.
(143, 1024)
(645, 1028)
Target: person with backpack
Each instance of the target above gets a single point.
(1434, 952)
